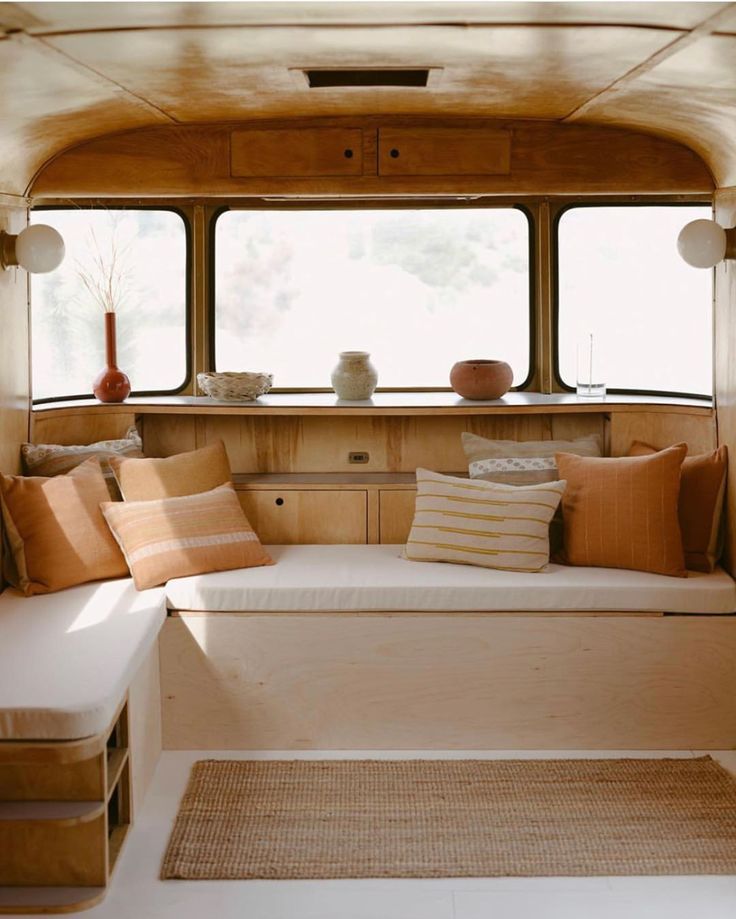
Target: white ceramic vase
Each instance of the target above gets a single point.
(354, 378)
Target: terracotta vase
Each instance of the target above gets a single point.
(481, 379)
(112, 385)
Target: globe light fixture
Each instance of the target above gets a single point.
(38, 249)
(705, 243)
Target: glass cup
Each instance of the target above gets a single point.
(588, 379)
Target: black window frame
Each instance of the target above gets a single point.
(555, 271)
(113, 206)
(376, 204)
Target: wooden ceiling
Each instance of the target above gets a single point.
(73, 71)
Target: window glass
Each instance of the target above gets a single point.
(622, 280)
(418, 289)
(149, 249)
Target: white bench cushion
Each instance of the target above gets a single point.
(67, 659)
(324, 578)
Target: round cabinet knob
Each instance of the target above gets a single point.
(348, 154)
(393, 153)
(279, 501)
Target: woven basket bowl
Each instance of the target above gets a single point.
(235, 387)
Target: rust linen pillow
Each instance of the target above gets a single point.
(182, 474)
(58, 459)
(56, 532)
(702, 489)
(622, 512)
(177, 537)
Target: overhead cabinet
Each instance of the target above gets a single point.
(443, 151)
(296, 153)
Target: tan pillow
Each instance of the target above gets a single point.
(182, 474)
(622, 512)
(482, 523)
(522, 462)
(702, 490)
(177, 537)
(56, 532)
(58, 459)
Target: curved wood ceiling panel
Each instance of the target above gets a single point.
(44, 103)
(695, 94)
(73, 71)
(44, 18)
(222, 74)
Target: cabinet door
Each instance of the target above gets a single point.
(396, 514)
(294, 154)
(443, 151)
(310, 516)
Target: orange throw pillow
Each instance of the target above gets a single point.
(622, 512)
(56, 532)
(183, 474)
(702, 490)
(177, 537)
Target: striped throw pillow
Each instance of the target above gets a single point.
(482, 523)
(525, 462)
(177, 537)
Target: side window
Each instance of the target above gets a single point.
(142, 255)
(621, 279)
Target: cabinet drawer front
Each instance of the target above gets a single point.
(289, 153)
(396, 515)
(443, 151)
(323, 517)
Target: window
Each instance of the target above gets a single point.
(68, 345)
(621, 279)
(417, 288)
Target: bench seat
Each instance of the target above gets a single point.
(356, 578)
(68, 658)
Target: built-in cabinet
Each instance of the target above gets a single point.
(295, 153)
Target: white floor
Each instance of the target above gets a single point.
(137, 892)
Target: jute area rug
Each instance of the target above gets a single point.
(454, 818)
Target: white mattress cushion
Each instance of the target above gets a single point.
(325, 578)
(67, 658)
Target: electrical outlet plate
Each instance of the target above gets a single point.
(358, 457)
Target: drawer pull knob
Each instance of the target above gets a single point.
(279, 501)
(394, 153)
(348, 154)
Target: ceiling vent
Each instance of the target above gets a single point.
(323, 79)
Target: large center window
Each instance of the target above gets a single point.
(418, 288)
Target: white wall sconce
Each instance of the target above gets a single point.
(705, 243)
(38, 248)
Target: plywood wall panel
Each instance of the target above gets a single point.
(14, 362)
(80, 429)
(662, 429)
(164, 435)
(322, 443)
(726, 366)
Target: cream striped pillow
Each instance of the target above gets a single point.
(482, 523)
(177, 537)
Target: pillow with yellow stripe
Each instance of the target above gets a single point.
(177, 537)
(482, 523)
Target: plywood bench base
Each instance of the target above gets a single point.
(65, 806)
(448, 681)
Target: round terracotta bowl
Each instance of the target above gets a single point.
(481, 379)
